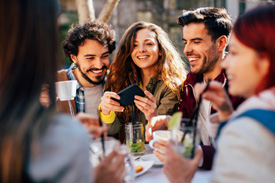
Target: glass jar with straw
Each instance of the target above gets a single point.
(135, 136)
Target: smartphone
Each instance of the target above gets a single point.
(127, 95)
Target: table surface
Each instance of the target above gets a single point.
(155, 174)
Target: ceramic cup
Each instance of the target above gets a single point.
(66, 90)
(164, 135)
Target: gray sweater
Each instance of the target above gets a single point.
(63, 154)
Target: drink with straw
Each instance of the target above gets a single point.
(135, 138)
(186, 145)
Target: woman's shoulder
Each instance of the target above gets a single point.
(62, 150)
(65, 124)
(161, 90)
(65, 132)
(242, 145)
(249, 131)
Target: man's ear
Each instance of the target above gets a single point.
(73, 58)
(221, 42)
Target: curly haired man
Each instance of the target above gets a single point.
(88, 46)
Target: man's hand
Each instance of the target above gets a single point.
(218, 97)
(179, 169)
(157, 123)
(91, 123)
(110, 169)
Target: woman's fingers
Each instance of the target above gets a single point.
(109, 97)
(150, 96)
(146, 104)
(108, 103)
(148, 133)
(145, 107)
(218, 97)
(215, 93)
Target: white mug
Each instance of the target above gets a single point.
(66, 90)
(162, 135)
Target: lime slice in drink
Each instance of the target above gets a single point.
(174, 123)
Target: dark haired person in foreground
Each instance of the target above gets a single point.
(38, 144)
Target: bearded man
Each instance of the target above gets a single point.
(205, 36)
(88, 46)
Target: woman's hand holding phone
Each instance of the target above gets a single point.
(147, 105)
(108, 104)
(144, 101)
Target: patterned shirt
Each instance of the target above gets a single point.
(79, 98)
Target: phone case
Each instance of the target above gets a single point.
(127, 95)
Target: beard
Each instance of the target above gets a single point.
(99, 79)
(209, 63)
(208, 66)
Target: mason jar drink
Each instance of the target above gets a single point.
(135, 138)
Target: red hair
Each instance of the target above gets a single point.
(256, 29)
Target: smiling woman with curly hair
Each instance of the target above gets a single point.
(145, 56)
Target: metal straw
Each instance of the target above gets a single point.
(102, 135)
(133, 124)
(195, 119)
(71, 109)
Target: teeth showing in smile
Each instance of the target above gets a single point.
(143, 57)
(97, 71)
(193, 59)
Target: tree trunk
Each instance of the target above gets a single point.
(108, 10)
(85, 10)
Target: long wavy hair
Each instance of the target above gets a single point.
(28, 59)
(124, 72)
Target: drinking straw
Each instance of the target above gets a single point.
(195, 119)
(133, 124)
(101, 136)
(71, 109)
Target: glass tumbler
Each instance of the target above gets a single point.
(96, 152)
(186, 145)
(135, 138)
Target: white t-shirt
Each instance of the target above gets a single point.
(92, 99)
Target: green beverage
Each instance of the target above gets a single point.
(185, 147)
(138, 147)
(135, 138)
(188, 145)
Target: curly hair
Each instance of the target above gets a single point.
(216, 20)
(94, 30)
(123, 71)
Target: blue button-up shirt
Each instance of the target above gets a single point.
(79, 98)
